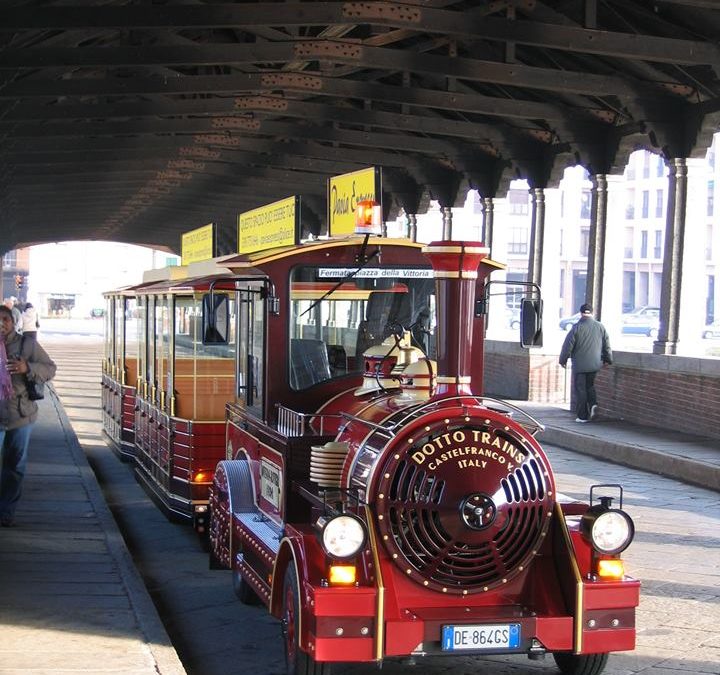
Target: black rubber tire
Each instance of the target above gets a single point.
(243, 590)
(297, 661)
(580, 664)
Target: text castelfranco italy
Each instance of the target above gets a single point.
(451, 446)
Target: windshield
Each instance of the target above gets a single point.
(330, 332)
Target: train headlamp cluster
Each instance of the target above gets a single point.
(611, 532)
(608, 530)
(342, 536)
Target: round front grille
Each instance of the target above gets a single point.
(464, 509)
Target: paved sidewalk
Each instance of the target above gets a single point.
(72, 600)
(687, 458)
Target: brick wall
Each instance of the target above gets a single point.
(672, 392)
(524, 375)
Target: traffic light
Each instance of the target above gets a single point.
(18, 281)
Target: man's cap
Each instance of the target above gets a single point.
(586, 309)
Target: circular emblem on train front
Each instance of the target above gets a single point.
(478, 511)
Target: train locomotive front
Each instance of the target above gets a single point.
(430, 525)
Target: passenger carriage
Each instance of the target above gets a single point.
(120, 371)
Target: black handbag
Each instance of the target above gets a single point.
(35, 390)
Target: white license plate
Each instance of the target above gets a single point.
(496, 636)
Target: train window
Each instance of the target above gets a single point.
(131, 341)
(335, 317)
(203, 375)
(251, 354)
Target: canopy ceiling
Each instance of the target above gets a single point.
(137, 121)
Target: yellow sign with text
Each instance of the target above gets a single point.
(269, 226)
(344, 193)
(198, 244)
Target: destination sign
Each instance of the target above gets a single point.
(269, 226)
(198, 244)
(344, 193)
(373, 273)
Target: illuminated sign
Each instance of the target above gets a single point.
(269, 226)
(198, 244)
(344, 193)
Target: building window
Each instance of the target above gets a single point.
(585, 204)
(518, 242)
(584, 241)
(10, 259)
(711, 197)
(711, 158)
(708, 242)
(646, 164)
(628, 252)
(518, 200)
(630, 205)
(562, 242)
(657, 249)
(645, 203)
(660, 166)
(659, 197)
(562, 204)
(644, 244)
(630, 170)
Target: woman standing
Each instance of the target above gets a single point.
(23, 360)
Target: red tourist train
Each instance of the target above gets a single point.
(322, 405)
(372, 499)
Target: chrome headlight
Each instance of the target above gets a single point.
(342, 536)
(611, 531)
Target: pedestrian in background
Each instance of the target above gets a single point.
(22, 360)
(30, 323)
(588, 345)
(11, 304)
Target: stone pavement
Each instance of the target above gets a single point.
(71, 599)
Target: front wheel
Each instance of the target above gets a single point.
(297, 661)
(580, 664)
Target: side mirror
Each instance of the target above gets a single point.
(215, 319)
(531, 323)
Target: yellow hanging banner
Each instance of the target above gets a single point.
(269, 226)
(344, 193)
(198, 244)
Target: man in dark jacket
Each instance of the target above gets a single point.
(23, 362)
(588, 345)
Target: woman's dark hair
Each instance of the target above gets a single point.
(7, 310)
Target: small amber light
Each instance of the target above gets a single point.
(611, 568)
(368, 217)
(342, 574)
(202, 477)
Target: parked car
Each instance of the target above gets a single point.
(642, 321)
(712, 330)
(567, 322)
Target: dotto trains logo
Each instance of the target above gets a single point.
(469, 449)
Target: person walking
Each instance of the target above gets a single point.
(588, 345)
(20, 361)
(30, 323)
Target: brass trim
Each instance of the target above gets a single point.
(442, 274)
(380, 623)
(456, 249)
(579, 598)
(461, 379)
